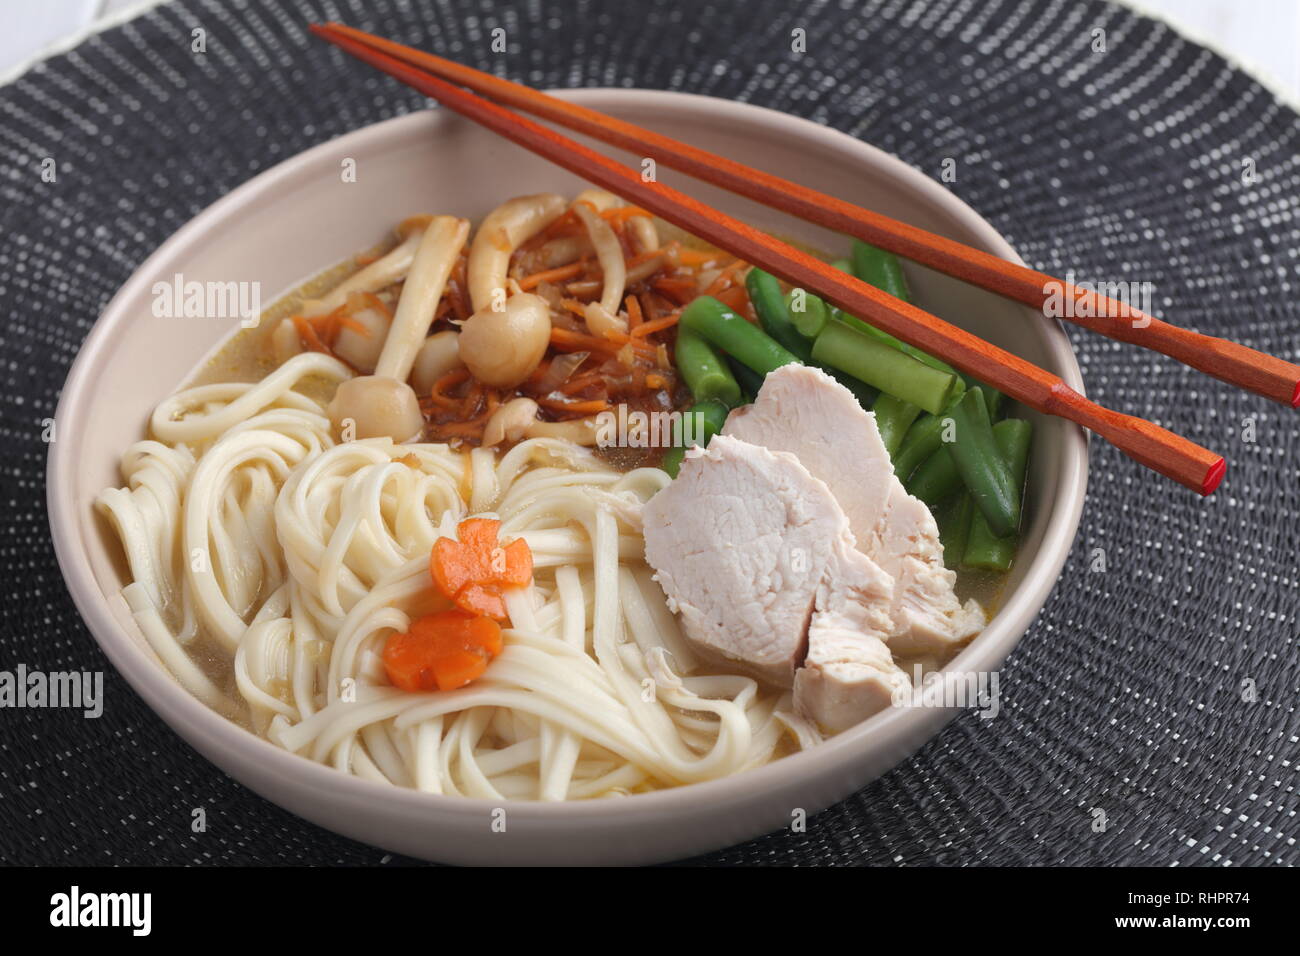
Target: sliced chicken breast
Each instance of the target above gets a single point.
(803, 411)
(757, 557)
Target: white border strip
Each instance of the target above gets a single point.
(99, 25)
(1284, 93)
(1262, 76)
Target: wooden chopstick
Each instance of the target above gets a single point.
(1149, 444)
(1228, 361)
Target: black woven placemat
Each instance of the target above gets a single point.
(1148, 715)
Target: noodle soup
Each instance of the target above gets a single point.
(387, 530)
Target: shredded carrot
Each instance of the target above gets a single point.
(657, 325)
(566, 340)
(442, 651)
(634, 316)
(678, 289)
(655, 381)
(734, 298)
(450, 380)
(347, 322)
(307, 333)
(575, 385)
(563, 225)
(476, 570)
(641, 257)
(575, 408)
(622, 214)
(558, 274)
(724, 278)
(694, 257)
(363, 300)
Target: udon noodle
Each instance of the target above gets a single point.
(254, 538)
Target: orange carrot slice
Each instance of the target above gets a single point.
(442, 651)
(475, 571)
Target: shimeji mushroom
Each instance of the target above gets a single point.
(382, 404)
(359, 348)
(602, 317)
(502, 348)
(392, 267)
(517, 419)
(439, 354)
(505, 228)
(510, 422)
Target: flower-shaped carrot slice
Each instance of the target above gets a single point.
(475, 571)
(442, 651)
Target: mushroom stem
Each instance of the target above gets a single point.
(439, 247)
(384, 271)
(501, 232)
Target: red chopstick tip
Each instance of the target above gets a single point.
(1213, 477)
(1295, 396)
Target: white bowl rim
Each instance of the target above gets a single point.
(179, 709)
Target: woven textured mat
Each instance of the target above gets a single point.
(1148, 717)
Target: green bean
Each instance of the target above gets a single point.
(922, 440)
(843, 265)
(673, 459)
(704, 371)
(925, 358)
(983, 548)
(881, 269)
(954, 520)
(936, 478)
(993, 399)
(884, 271)
(981, 466)
(886, 368)
(765, 293)
(700, 423)
(808, 312)
(864, 393)
(893, 418)
(720, 327)
(750, 381)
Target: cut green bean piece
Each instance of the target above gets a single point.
(981, 466)
(864, 393)
(765, 293)
(700, 423)
(922, 440)
(893, 418)
(673, 459)
(704, 371)
(881, 269)
(724, 329)
(954, 519)
(750, 381)
(886, 368)
(983, 548)
(936, 478)
(993, 399)
(923, 357)
(808, 312)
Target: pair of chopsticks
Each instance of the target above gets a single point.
(1149, 444)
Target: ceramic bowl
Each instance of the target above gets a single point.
(298, 218)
